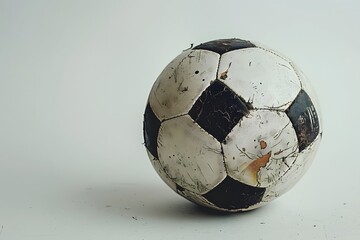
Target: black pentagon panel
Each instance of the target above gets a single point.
(218, 110)
(304, 118)
(151, 131)
(225, 45)
(232, 194)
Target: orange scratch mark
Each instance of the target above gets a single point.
(254, 167)
(263, 144)
(224, 75)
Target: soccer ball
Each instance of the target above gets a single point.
(231, 124)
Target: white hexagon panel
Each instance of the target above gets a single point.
(260, 149)
(231, 125)
(260, 77)
(190, 156)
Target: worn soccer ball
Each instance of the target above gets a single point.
(231, 124)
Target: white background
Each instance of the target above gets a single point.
(74, 79)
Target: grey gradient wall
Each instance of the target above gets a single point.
(74, 80)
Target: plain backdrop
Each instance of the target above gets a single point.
(74, 80)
